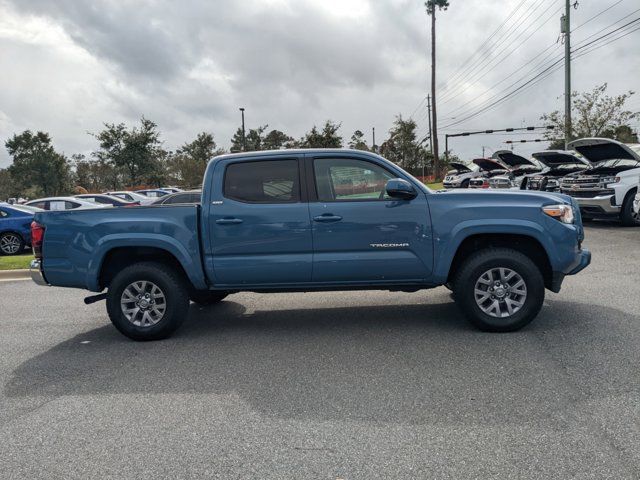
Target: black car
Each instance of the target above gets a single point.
(107, 200)
(188, 197)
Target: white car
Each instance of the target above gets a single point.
(636, 203)
(460, 176)
(608, 187)
(519, 167)
(64, 203)
(132, 197)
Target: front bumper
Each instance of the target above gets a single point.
(583, 262)
(35, 270)
(596, 205)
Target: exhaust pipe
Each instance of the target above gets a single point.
(95, 298)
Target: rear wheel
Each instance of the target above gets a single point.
(11, 243)
(628, 215)
(465, 183)
(499, 289)
(147, 301)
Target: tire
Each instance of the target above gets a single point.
(207, 297)
(628, 217)
(141, 326)
(465, 183)
(11, 243)
(473, 273)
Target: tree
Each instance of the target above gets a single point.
(7, 186)
(325, 138)
(595, 114)
(403, 149)
(191, 159)
(358, 141)
(36, 165)
(275, 140)
(254, 139)
(135, 152)
(431, 6)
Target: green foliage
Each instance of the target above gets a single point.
(358, 141)
(8, 188)
(36, 166)
(593, 114)
(275, 140)
(403, 149)
(134, 153)
(431, 5)
(326, 138)
(190, 161)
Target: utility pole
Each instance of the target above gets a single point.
(434, 133)
(565, 26)
(430, 132)
(244, 137)
(373, 145)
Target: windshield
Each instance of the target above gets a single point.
(619, 162)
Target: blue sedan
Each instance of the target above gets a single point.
(15, 228)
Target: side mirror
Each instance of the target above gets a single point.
(399, 188)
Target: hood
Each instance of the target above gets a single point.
(554, 158)
(488, 164)
(460, 167)
(512, 159)
(599, 149)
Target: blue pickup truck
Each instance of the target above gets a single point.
(314, 220)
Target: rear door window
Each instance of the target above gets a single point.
(269, 181)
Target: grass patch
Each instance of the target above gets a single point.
(435, 186)
(15, 262)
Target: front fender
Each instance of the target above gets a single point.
(447, 246)
(107, 243)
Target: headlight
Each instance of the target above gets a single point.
(606, 180)
(563, 213)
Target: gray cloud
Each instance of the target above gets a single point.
(189, 65)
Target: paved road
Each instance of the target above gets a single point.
(355, 385)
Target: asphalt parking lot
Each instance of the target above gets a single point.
(350, 385)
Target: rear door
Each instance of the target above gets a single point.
(259, 227)
(360, 235)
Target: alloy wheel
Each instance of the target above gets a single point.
(500, 292)
(143, 303)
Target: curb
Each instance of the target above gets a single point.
(14, 275)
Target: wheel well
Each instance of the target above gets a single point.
(529, 246)
(121, 257)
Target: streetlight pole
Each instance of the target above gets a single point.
(244, 138)
(566, 29)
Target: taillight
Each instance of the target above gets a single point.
(37, 235)
(133, 204)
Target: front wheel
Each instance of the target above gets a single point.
(499, 289)
(628, 215)
(147, 301)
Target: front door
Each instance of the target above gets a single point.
(260, 230)
(360, 234)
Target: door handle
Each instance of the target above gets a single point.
(228, 221)
(327, 217)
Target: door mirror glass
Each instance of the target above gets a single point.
(400, 188)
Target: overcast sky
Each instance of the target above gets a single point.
(68, 66)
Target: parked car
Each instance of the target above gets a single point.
(63, 203)
(15, 228)
(608, 187)
(153, 193)
(171, 189)
(191, 196)
(488, 168)
(460, 176)
(101, 198)
(519, 167)
(263, 226)
(558, 163)
(132, 197)
(636, 202)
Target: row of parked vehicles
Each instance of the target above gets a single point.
(603, 175)
(15, 219)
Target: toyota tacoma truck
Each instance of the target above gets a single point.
(608, 187)
(314, 220)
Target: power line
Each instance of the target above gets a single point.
(607, 34)
(597, 15)
(483, 62)
(608, 26)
